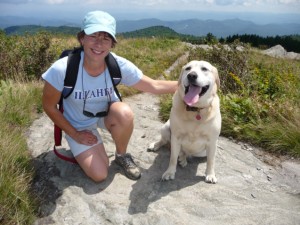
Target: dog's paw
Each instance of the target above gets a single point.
(168, 175)
(183, 162)
(211, 178)
(153, 147)
(182, 159)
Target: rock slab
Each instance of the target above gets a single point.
(249, 191)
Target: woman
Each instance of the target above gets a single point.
(94, 93)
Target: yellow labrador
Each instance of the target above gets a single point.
(195, 119)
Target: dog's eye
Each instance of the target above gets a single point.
(188, 68)
(204, 69)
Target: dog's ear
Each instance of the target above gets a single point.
(216, 74)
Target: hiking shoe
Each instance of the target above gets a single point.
(130, 168)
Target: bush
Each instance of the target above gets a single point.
(25, 58)
(231, 62)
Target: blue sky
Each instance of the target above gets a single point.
(281, 10)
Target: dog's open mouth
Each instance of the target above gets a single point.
(193, 92)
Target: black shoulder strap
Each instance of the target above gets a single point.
(114, 71)
(69, 84)
(72, 71)
(73, 66)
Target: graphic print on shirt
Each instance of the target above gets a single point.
(96, 93)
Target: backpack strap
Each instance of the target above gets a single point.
(71, 72)
(64, 157)
(114, 71)
(73, 66)
(69, 84)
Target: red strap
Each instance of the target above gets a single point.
(57, 135)
(64, 157)
(57, 140)
(57, 130)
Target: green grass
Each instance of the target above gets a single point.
(19, 103)
(153, 56)
(269, 112)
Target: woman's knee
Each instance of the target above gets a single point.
(94, 162)
(98, 176)
(121, 113)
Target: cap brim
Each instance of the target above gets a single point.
(94, 29)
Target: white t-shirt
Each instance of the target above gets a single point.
(97, 91)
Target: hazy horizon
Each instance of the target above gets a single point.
(257, 11)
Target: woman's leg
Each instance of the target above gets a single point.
(119, 123)
(94, 162)
(92, 159)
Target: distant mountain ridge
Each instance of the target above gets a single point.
(32, 29)
(194, 27)
(219, 29)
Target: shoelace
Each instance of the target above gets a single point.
(128, 161)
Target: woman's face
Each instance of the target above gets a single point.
(97, 45)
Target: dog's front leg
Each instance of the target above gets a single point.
(210, 165)
(175, 149)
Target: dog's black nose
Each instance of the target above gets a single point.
(192, 76)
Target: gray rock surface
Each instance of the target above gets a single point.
(249, 190)
(278, 51)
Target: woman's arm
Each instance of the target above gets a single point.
(50, 99)
(147, 84)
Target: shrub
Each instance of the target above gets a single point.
(231, 62)
(25, 58)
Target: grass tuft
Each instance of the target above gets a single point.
(20, 103)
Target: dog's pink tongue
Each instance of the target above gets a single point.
(192, 96)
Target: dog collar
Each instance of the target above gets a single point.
(194, 109)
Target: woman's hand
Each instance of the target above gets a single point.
(86, 137)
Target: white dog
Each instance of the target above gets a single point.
(195, 119)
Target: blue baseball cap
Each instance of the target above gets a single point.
(99, 21)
